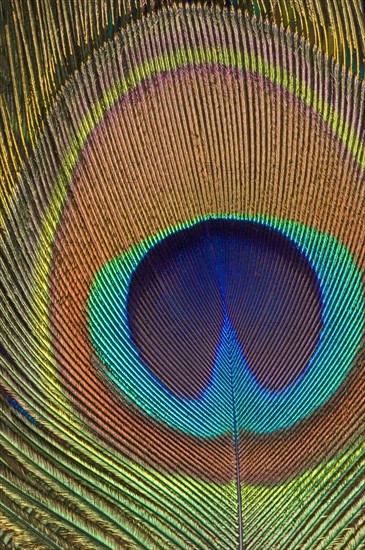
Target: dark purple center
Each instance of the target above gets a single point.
(184, 286)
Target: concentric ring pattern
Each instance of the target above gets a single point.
(182, 325)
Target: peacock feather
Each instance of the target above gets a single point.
(182, 274)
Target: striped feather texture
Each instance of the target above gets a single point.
(182, 275)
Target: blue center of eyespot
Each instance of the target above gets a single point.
(260, 306)
(194, 283)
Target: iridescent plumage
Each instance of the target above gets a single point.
(182, 270)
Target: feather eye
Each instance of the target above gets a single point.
(174, 340)
(182, 262)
